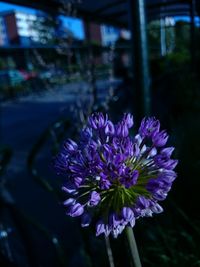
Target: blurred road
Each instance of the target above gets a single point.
(22, 122)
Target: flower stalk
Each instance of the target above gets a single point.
(133, 247)
(109, 252)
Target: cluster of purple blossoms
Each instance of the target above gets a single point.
(113, 179)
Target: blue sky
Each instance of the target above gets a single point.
(73, 24)
(187, 19)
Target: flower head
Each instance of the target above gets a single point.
(113, 179)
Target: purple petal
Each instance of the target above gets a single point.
(76, 210)
(157, 208)
(128, 120)
(128, 214)
(167, 151)
(100, 228)
(110, 129)
(69, 189)
(142, 202)
(160, 138)
(97, 121)
(94, 198)
(114, 220)
(69, 202)
(85, 219)
(70, 146)
(78, 181)
(148, 127)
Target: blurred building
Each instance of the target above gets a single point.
(109, 35)
(92, 32)
(25, 29)
(3, 33)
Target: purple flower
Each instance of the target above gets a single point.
(70, 146)
(78, 181)
(94, 198)
(112, 178)
(128, 215)
(143, 202)
(104, 182)
(61, 164)
(69, 202)
(163, 161)
(156, 208)
(167, 151)
(129, 178)
(86, 220)
(100, 228)
(69, 188)
(98, 121)
(109, 129)
(148, 127)
(114, 220)
(159, 138)
(128, 120)
(122, 130)
(76, 210)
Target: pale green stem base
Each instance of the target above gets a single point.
(109, 252)
(133, 247)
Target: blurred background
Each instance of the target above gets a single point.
(61, 60)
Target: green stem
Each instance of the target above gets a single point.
(133, 247)
(109, 252)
